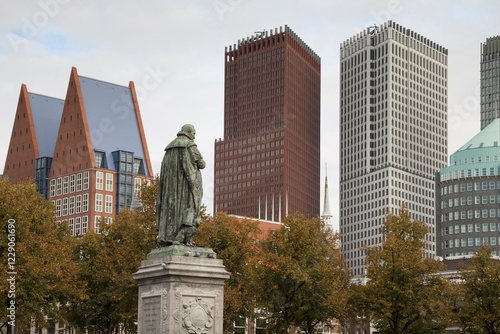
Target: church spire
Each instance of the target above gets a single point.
(326, 215)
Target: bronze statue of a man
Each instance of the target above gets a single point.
(180, 191)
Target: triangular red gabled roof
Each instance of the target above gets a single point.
(23, 147)
(73, 150)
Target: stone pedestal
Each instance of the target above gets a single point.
(181, 290)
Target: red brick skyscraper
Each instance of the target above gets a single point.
(268, 163)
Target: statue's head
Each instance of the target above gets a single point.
(188, 130)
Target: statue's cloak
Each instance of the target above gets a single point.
(180, 189)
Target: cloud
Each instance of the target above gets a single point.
(119, 41)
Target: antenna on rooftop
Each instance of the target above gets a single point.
(373, 28)
(260, 34)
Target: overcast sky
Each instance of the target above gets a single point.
(174, 52)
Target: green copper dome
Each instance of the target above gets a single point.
(480, 156)
(488, 137)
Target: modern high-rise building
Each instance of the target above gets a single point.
(268, 163)
(469, 196)
(490, 80)
(393, 133)
(87, 153)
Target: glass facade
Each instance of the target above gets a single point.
(100, 159)
(42, 173)
(490, 80)
(126, 166)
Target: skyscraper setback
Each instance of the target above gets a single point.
(268, 163)
(490, 80)
(393, 133)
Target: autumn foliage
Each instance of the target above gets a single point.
(293, 278)
(403, 291)
(44, 271)
(234, 241)
(301, 278)
(480, 293)
(106, 262)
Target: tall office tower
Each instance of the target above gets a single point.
(393, 133)
(490, 80)
(268, 163)
(87, 153)
(469, 196)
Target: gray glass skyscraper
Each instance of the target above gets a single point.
(490, 80)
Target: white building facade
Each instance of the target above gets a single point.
(393, 136)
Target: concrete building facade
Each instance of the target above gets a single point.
(268, 163)
(393, 133)
(87, 153)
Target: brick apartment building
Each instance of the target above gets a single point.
(87, 153)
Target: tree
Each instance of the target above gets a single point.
(39, 274)
(234, 242)
(480, 311)
(403, 293)
(301, 277)
(106, 263)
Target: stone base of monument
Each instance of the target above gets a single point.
(181, 290)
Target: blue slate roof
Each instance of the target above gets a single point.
(46, 113)
(111, 118)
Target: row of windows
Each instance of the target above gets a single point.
(246, 87)
(248, 46)
(245, 141)
(470, 228)
(470, 214)
(264, 148)
(108, 203)
(255, 177)
(71, 205)
(492, 113)
(69, 184)
(416, 43)
(470, 186)
(407, 43)
(470, 242)
(489, 62)
(80, 225)
(491, 171)
(469, 200)
(100, 181)
(470, 253)
(78, 182)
